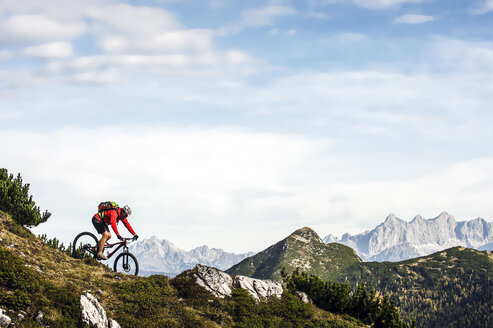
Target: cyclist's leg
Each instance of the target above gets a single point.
(103, 229)
(104, 238)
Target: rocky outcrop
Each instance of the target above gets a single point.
(220, 284)
(215, 281)
(4, 319)
(259, 289)
(93, 313)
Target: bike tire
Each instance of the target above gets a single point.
(125, 265)
(91, 242)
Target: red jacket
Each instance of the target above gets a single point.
(111, 217)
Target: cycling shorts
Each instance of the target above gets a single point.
(100, 225)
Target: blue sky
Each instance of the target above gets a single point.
(233, 123)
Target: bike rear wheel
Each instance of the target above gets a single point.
(126, 263)
(85, 245)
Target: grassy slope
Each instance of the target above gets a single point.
(35, 277)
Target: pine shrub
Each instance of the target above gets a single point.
(16, 201)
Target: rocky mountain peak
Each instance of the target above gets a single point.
(417, 218)
(391, 218)
(307, 235)
(444, 217)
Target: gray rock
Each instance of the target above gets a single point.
(4, 320)
(220, 284)
(113, 324)
(94, 314)
(303, 297)
(39, 317)
(215, 281)
(20, 317)
(259, 289)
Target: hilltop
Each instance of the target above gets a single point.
(302, 249)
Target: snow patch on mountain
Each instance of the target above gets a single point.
(397, 240)
(161, 256)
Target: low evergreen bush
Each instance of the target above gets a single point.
(16, 201)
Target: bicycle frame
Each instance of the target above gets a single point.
(121, 244)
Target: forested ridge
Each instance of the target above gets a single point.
(451, 288)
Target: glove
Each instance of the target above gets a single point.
(119, 237)
(136, 237)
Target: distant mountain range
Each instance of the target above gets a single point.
(161, 256)
(397, 240)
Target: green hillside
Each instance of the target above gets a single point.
(303, 249)
(37, 278)
(451, 288)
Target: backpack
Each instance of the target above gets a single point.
(106, 206)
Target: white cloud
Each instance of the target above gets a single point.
(136, 20)
(237, 57)
(5, 54)
(372, 4)
(121, 30)
(182, 182)
(174, 177)
(24, 28)
(50, 50)
(158, 43)
(465, 56)
(485, 7)
(252, 18)
(318, 15)
(413, 19)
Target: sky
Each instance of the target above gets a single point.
(233, 123)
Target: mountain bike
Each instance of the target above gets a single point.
(86, 244)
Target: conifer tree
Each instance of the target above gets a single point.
(16, 201)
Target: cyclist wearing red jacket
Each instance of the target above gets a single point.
(111, 217)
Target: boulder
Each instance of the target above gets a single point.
(220, 284)
(215, 281)
(93, 314)
(39, 317)
(259, 289)
(4, 319)
(113, 324)
(303, 297)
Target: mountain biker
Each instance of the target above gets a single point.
(111, 217)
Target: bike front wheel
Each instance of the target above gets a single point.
(85, 245)
(126, 263)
